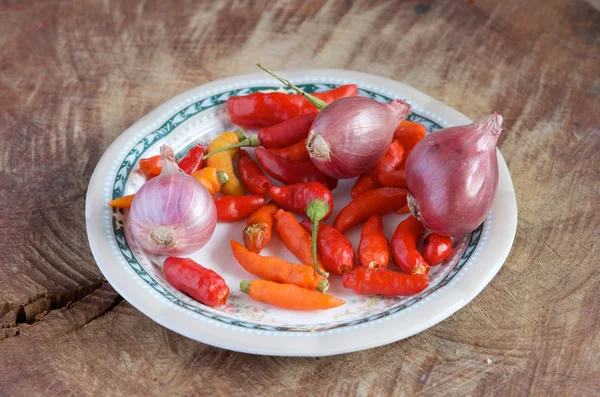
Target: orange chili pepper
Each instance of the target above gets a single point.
(437, 249)
(296, 238)
(288, 296)
(122, 202)
(211, 179)
(277, 270)
(257, 233)
(376, 201)
(409, 134)
(374, 249)
(404, 247)
(295, 152)
(151, 166)
(366, 181)
(223, 161)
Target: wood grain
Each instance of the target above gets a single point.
(74, 75)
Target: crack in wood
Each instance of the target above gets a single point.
(36, 307)
(80, 313)
(116, 302)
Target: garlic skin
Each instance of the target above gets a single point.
(172, 214)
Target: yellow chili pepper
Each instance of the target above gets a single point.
(122, 202)
(223, 161)
(211, 179)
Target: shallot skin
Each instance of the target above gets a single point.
(352, 134)
(452, 176)
(173, 213)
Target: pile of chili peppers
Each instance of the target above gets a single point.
(241, 187)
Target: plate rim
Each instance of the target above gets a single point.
(174, 319)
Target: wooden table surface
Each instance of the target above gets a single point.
(75, 74)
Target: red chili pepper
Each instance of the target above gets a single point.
(374, 249)
(393, 179)
(290, 172)
(202, 284)
(336, 250)
(366, 181)
(392, 159)
(403, 210)
(296, 198)
(365, 281)
(234, 208)
(437, 249)
(378, 201)
(192, 161)
(295, 152)
(387, 168)
(258, 231)
(251, 175)
(291, 132)
(409, 134)
(404, 247)
(282, 135)
(287, 132)
(260, 109)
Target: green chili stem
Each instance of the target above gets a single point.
(245, 286)
(251, 141)
(240, 134)
(318, 103)
(316, 211)
(323, 285)
(222, 177)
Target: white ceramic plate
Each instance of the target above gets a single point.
(248, 326)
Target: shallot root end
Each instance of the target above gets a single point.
(163, 236)
(412, 206)
(318, 146)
